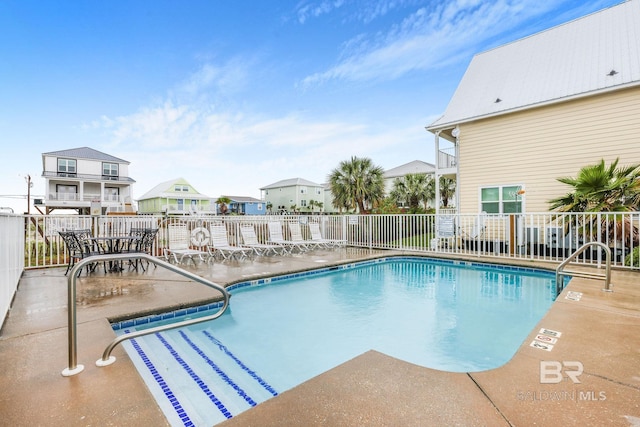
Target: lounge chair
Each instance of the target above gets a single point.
(250, 240)
(296, 236)
(316, 236)
(178, 245)
(219, 244)
(276, 237)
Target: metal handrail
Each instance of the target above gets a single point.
(74, 368)
(606, 276)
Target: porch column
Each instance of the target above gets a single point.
(437, 171)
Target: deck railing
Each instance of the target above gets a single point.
(532, 236)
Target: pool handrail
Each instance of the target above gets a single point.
(74, 368)
(606, 276)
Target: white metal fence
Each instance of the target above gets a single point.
(11, 259)
(540, 236)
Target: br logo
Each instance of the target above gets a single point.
(551, 371)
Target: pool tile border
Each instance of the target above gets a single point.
(269, 280)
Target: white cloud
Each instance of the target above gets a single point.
(428, 39)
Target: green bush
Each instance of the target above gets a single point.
(633, 259)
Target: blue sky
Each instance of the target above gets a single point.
(236, 95)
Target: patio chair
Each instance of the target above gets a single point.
(479, 226)
(276, 237)
(219, 244)
(178, 242)
(143, 244)
(79, 245)
(316, 236)
(250, 240)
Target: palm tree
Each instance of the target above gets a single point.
(413, 189)
(313, 203)
(223, 203)
(447, 190)
(598, 188)
(356, 183)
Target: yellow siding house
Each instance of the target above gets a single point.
(540, 108)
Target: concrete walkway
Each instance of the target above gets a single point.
(600, 336)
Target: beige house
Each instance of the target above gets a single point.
(540, 108)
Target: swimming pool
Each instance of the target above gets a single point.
(280, 332)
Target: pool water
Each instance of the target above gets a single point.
(457, 317)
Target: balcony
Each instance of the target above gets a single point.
(447, 159)
(65, 176)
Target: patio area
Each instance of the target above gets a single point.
(599, 330)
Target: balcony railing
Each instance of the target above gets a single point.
(66, 176)
(447, 158)
(86, 197)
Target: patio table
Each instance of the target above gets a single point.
(117, 245)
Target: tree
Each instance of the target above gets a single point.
(413, 189)
(313, 203)
(223, 203)
(447, 190)
(356, 183)
(598, 188)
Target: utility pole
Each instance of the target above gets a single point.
(29, 185)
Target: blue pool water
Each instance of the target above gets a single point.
(278, 333)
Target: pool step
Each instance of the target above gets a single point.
(172, 362)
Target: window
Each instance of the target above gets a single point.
(303, 190)
(110, 170)
(66, 167)
(184, 188)
(111, 194)
(502, 199)
(66, 192)
(303, 203)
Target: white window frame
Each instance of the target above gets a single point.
(517, 198)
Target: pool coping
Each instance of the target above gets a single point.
(371, 389)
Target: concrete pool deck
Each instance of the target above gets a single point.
(600, 335)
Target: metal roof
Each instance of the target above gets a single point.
(291, 183)
(165, 190)
(593, 54)
(416, 166)
(85, 153)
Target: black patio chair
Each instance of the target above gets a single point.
(79, 246)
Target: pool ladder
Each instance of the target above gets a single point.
(74, 368)
(606, 276)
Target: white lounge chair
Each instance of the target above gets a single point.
(178, 248)
(250, 240)
(219, 244)
(296, 236)
(276, 237)
(316, 236)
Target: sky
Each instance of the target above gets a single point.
(236, 95)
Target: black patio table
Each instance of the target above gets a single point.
(117, 245)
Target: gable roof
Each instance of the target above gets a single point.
(165, 190)
(244, 199)
(292, 182)
(593, 54)
(416, 166)
(85, 153)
